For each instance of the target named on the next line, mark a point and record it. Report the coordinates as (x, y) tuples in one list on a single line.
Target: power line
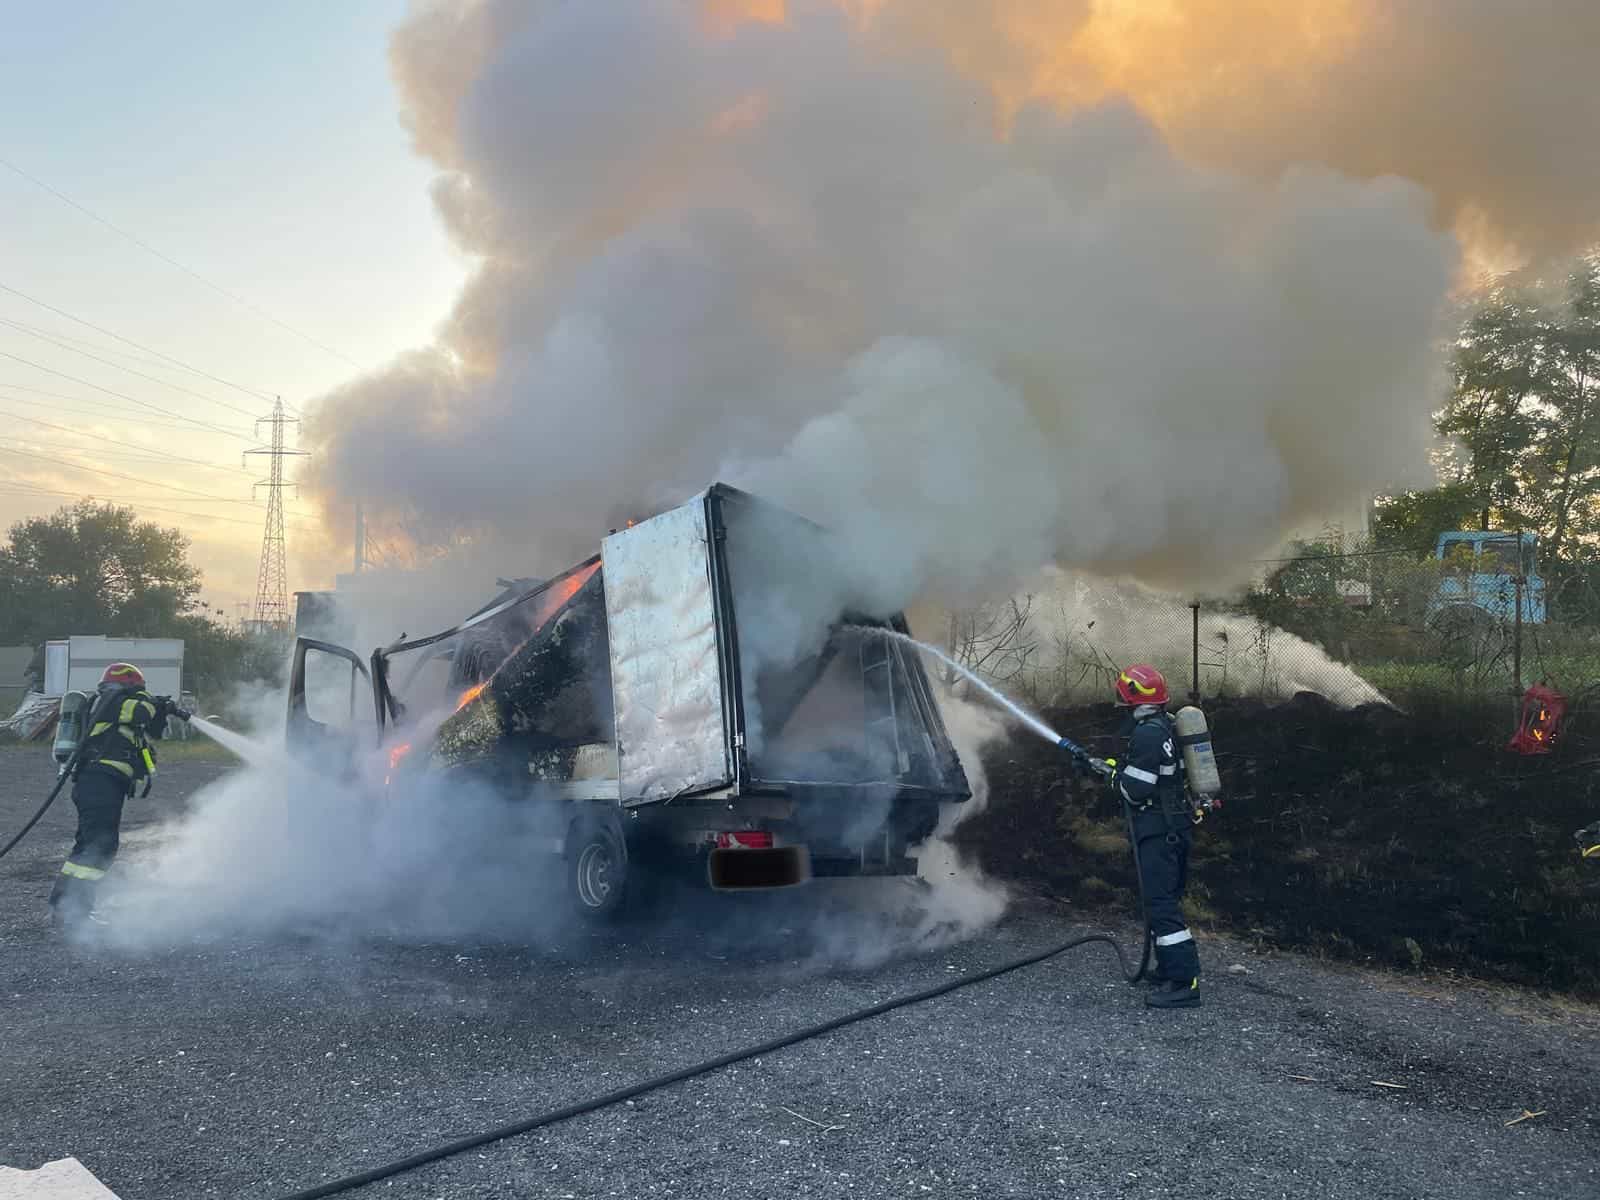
[(29, 442), (177, 387), (198, 498), (149, 249), (112, 474), (95, 408), (124, 444), (61, 312), (121, 395), (135, 503), (82, 341)]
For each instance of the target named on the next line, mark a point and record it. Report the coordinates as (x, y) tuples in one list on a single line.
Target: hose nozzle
[(1085, 761)]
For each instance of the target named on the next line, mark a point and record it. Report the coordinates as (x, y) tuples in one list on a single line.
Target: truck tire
[(597, 868)]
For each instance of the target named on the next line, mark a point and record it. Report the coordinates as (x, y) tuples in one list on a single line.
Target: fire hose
[(472, 1141), (1087, 762), (43, 808), (65, 774)]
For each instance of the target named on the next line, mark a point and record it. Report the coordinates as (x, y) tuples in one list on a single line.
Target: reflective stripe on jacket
[(119, 741), (1152, 770)]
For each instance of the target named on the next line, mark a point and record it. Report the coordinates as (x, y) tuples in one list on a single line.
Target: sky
[(257, 145)]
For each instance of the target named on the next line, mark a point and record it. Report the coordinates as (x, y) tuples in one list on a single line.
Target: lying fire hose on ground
[(42, 809), (1130, 973), (71, 722), (473, 1141)]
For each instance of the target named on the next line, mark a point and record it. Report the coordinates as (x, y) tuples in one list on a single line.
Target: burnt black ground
[(252, 1068), (1370, 835)]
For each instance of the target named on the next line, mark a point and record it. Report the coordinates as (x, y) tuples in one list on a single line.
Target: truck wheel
[(597, 868)]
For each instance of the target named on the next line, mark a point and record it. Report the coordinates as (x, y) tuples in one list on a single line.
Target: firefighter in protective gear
[(1588, 839), (117, 754), (1150, 781)]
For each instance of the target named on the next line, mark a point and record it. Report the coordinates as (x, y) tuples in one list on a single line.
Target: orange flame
[(546, 606), (396, 753)]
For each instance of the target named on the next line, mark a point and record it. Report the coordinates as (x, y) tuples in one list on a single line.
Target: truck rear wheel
[(597, 868)]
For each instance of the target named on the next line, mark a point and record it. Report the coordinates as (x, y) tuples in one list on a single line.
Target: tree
[(1414, 520), (94, 567), (995, 640), (97, 568), (1523, 416), (1567, 464), (1495, 372)]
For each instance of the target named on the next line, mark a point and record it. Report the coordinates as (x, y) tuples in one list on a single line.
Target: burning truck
[(696, 693)]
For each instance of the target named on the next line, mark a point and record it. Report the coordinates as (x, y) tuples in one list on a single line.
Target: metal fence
[(1356, 625)]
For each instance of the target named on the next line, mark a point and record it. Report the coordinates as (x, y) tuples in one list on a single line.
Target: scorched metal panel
[(666, 672)]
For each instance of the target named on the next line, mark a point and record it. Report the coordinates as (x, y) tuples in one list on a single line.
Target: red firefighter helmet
[(123, 675), (1141, 684)]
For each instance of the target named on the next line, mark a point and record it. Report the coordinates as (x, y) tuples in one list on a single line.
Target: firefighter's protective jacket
[(123, 727), (1151, 778)]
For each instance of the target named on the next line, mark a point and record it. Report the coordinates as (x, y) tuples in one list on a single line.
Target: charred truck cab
[(697, 689)]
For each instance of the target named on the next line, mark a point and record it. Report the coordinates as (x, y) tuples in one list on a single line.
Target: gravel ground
[(255, 1067)]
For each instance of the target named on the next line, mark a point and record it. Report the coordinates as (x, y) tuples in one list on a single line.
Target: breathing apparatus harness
[(72, 745)]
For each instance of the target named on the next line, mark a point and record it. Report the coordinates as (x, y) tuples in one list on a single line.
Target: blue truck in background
[(1483, 579)]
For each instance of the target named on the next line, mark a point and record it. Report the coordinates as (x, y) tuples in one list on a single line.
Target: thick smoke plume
[(823, 257), (1485, 104)]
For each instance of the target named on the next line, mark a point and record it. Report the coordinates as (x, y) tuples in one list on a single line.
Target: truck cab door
[(332, 711)]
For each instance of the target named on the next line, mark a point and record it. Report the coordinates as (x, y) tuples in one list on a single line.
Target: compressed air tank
[(1199, 763), (74, 715)]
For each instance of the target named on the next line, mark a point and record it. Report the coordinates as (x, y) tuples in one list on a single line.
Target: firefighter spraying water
[(106, 745), (1166, 783)]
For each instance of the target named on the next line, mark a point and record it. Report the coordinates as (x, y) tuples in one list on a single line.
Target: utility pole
[(361, 538), (272, 579)]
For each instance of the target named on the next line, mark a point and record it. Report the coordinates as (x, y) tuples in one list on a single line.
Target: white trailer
[(75, 664)]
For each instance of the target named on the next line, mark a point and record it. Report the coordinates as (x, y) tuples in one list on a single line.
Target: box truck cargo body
[(699, 688)]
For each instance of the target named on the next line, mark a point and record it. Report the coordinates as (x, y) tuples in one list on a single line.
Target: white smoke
[(805, 259), (1087, 629), (286, 845)]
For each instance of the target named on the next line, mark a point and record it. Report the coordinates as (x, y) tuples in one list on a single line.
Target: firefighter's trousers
[(98, 796), (1164, 870)]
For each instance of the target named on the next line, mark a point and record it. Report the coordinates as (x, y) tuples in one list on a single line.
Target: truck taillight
[(745, 839)]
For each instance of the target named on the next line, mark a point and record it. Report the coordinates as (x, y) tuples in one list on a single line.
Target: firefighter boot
[(71, 902), (1171, 993)]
